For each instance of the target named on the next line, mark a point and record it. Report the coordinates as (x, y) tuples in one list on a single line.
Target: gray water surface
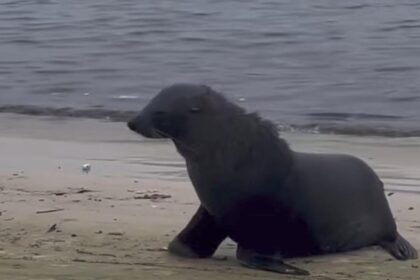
[(346, 66)]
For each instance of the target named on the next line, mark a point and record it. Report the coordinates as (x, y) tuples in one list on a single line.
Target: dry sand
[(103, 228)]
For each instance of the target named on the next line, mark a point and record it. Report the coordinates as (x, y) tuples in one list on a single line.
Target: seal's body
[(253, 188)]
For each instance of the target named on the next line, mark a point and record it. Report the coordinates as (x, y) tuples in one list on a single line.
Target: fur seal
[(273, 201)]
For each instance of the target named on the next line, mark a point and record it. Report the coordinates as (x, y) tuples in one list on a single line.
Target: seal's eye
[(195, 109)]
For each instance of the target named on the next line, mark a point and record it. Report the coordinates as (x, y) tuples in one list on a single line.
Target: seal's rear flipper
[(400, 248), (251, 259)]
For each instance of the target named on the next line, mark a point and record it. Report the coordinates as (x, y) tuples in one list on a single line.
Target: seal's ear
[(207, 89)]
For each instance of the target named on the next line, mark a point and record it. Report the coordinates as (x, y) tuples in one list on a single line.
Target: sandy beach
[(57, 222)]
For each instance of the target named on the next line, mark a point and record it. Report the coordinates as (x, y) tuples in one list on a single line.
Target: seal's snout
[(143, 126), (131, 125)]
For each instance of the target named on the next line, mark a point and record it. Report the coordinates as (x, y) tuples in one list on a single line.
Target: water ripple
[(301, 63)]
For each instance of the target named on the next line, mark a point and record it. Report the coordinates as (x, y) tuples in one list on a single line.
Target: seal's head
[(202, 123), (171, 111)]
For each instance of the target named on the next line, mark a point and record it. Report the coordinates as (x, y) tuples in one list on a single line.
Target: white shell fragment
[(86, 168)]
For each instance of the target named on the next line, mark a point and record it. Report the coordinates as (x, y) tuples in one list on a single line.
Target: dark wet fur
[(249, 180)]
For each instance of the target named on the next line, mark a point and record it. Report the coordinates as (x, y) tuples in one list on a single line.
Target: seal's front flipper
[(251, 259), (200, 238)]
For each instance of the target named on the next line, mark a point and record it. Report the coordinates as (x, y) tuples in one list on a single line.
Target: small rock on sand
[(116, 233), (154, 196), (52, 228)]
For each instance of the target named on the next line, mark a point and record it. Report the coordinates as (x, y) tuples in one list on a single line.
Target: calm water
[(349, 66)]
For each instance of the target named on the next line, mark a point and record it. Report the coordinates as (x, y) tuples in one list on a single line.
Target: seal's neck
[(234, 142)]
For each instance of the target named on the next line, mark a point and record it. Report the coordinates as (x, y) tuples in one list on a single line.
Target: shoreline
[(326, 124), (108, 228)]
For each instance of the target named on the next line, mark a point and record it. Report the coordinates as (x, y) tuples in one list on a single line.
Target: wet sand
[(58, 222)]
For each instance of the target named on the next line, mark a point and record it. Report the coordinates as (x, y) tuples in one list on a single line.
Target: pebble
[(86, 168)]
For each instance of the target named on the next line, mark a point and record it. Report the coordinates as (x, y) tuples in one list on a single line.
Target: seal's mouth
[(138, 125)]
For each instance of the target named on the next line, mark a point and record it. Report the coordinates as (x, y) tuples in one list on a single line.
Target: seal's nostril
[(131, 125)]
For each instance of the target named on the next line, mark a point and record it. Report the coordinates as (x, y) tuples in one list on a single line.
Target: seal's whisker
[(179, 142)]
